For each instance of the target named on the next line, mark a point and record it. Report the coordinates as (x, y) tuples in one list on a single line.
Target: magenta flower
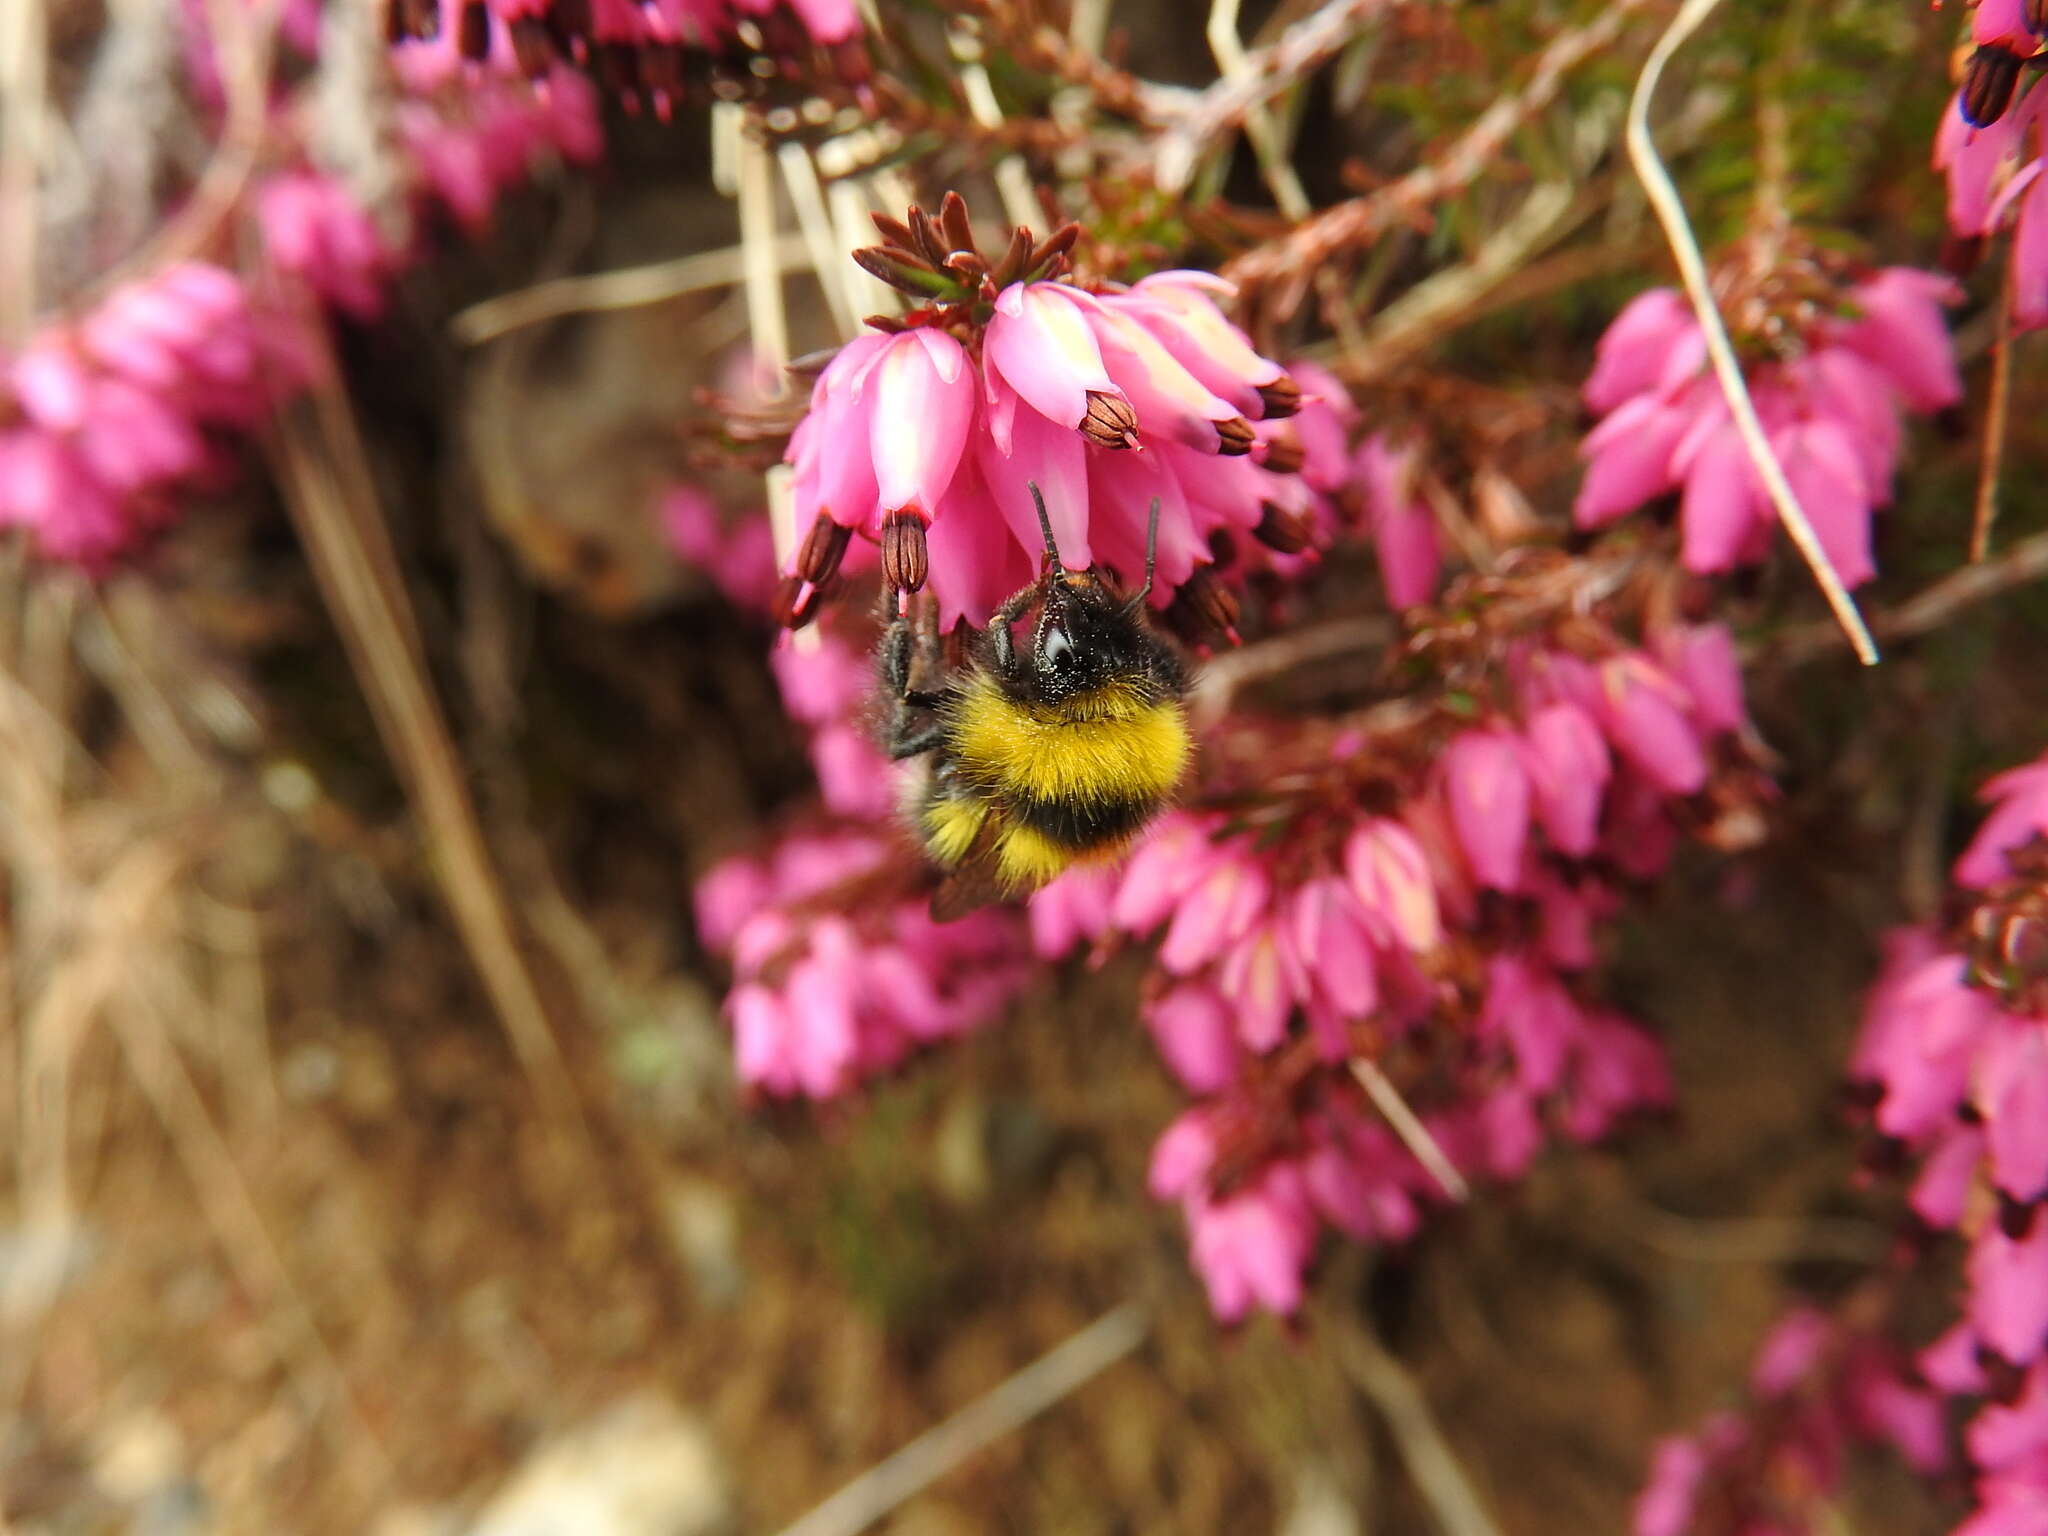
[(826, 993), (1196, 1037), (1487, 788), (1014, 372), (1568, 765), (1831, 410), (2019, 801), (1404, 532), (1389, 874)]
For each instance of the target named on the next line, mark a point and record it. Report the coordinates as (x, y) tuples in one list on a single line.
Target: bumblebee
[(1044, 756)]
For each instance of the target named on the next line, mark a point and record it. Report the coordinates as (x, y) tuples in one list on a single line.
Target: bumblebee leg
[(898, 666), (908, 739), (1001, 644)]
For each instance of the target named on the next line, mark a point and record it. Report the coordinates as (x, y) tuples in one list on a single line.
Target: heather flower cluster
[(1954, 1051), (1425, 899), (1830, 394), (1819, 1389), (652, 52), (922, 433), (1993, 167), (839, 971), (122, 412)]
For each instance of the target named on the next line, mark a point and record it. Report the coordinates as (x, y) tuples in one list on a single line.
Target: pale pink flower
[(1072, 910), (1487, 789), (1569, 766), (1192, 1027), (2019, 813), (1644, 715), (1404, 532), (1389, 873), (1251, 1246)]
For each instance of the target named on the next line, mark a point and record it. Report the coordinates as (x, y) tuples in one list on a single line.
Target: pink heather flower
[(1390, 876), (2002, 23), (1981, 163), (1665, 1506), (1071, 910), (1487, 789), (1922, 1026), (826, 993), (1263, 976), (2019, 801), (1568, 766), (1332, 932), (2013, 1434), (1528, 1010), (1701, 659), (1251, 1246), (2009, 1090), (117, 411), (1790, 1352), (1217, 910), (1107, 400), (2008, 1306), (1404, 533), (1192, 1026), (1831, 413), (1173, 859), (1644, 714), (738, 556), (314, 230)]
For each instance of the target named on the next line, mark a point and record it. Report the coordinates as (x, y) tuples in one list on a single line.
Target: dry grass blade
[(1692, 268), (884, 1486), (23, 71), (1407, 1125), (328, 489), (1432, 1465)]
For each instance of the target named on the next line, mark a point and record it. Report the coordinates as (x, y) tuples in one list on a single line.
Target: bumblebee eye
[(1057, 649)]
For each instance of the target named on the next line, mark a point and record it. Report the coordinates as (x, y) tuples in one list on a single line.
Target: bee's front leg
[(1002, 645)]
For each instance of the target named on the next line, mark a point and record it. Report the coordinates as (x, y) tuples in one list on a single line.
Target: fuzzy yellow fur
[(1113, 744), (950, 827)]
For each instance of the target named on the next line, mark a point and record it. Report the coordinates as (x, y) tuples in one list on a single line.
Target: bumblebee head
[(1086, 636)]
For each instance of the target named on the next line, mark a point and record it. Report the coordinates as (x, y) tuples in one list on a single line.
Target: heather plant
[(1440, 378)]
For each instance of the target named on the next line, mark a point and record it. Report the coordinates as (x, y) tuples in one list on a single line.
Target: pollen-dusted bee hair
[(1038, 757)]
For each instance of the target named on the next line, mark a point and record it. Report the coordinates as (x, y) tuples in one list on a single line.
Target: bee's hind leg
[(906, 735)]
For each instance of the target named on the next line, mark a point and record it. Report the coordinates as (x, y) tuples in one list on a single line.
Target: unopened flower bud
[(1234, 437), (1282, 397), (905, 560), (1283, 456), (817, 560), (1288, 532), (1988, 82), (1110, 422)]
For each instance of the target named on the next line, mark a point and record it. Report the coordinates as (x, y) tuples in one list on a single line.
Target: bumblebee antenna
[(1138, 597), (1052, 550)]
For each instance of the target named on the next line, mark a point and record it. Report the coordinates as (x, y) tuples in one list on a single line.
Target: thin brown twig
[(1259, 76), (333, 503), (1365, 219), (1996, 416), (1927, 610)]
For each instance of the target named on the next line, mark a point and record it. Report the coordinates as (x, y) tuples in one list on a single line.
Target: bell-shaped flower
[(1487, 790)]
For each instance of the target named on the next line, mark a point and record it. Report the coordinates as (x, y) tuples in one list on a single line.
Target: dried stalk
[(327, 487), (1996, 418), (1926, 611), (23, 79), (1258, 76), (1365, 219), (1407, 1125), (1432, 1465), (1041, 1384), (624, 288)]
